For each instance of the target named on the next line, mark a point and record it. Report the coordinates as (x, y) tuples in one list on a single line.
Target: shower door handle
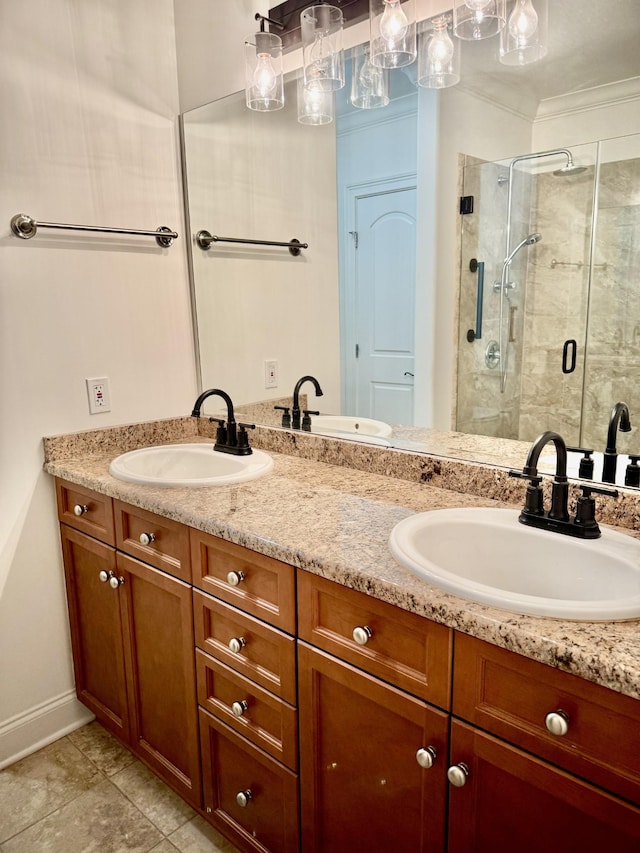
[(569, 361), (477, 267)]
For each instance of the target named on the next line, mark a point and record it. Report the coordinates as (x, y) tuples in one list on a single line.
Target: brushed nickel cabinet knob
[(115, 582), (425, 756), (235, 578), (243, 797), (104, 576), (238, 708), (236, 644), (147, 538), (362, 635), (557, 722), (80, 509), (458, 774)]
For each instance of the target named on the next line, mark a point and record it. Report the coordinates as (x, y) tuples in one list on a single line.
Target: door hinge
[(466, 204), (357, 350), (354, 234)]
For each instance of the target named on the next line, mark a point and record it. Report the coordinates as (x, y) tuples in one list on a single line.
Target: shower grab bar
[(477, 266), (26, 227), (580, 264), (204, 239)]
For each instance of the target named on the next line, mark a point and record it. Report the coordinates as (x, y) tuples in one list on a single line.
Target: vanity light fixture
[(438, 56), (322, 56), (524, 39), (392, 25), (264, 82), (315, 105), (369, 82), (478, 19)]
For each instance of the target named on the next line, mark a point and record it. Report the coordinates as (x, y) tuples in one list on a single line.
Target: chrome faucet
[(228, 438), (557, 518), (295, 411), (619, 419)]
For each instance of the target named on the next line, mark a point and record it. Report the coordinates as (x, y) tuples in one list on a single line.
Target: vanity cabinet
[(132, 640), (245, 618), (373, 756)]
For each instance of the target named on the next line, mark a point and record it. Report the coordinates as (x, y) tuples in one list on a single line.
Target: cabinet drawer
[(233, 767), (510, 696), (266, 655), (85, 510), (255, 713), (403, 648), (257, 584), (167, 545)]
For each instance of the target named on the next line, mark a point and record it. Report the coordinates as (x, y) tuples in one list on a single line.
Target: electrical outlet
[(99, 395), (271, 373)]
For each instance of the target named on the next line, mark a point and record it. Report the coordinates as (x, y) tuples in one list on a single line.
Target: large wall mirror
[(428, 322)]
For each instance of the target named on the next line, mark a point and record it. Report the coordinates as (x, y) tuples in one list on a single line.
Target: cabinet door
[(514, 801), (158, 629), (361, 785), (96, 629)]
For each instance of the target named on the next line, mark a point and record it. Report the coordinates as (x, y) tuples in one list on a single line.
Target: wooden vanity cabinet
[(361, 737), (132, 640)]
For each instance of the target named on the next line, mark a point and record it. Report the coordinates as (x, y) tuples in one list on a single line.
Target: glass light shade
[(315, 105), (264, 84), (369, 82), (392, 25), (525, 37), (322, 57), (438, 56), (476, 19)]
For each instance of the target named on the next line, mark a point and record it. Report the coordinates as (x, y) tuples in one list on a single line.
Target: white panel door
[(384, 279)]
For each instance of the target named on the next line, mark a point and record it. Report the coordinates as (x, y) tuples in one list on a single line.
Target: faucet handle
[(534, 479), (306, 420), (533, 502), (246, 426), (586, 509), (243, 438), (286, 416), (587, 490), (585, 469)]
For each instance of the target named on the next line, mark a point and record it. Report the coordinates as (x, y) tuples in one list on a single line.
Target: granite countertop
[(335, 521)]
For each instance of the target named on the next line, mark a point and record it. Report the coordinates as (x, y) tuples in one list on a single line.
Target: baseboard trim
[(41, 725)]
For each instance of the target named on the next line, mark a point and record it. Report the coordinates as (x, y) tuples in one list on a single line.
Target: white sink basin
[(364, 429), (486, 555), (188, 465)]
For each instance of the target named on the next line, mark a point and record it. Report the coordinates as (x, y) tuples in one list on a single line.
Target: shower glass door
[(540, 343)]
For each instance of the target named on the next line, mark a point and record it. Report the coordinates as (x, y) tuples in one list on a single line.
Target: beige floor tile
[(156, 800), (198, 836), (100, 821), (165, 846), (102, 748), (37, 785)]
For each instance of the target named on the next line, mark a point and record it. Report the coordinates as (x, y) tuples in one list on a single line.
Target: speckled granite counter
[(335, 521)]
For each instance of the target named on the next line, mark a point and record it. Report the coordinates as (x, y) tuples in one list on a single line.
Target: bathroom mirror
[(265, 176)]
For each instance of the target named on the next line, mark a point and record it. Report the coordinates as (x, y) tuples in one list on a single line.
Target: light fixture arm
[(270, 21)]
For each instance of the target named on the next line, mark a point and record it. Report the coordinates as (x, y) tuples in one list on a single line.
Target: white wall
[(87, 135)]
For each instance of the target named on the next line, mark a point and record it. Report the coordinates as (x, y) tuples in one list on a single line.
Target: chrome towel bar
[(26, 227), (204, 239)]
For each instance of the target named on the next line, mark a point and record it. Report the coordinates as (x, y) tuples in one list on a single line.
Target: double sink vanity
[(258, 646)]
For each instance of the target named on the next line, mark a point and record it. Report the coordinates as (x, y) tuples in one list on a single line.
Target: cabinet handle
[(457, 774), (235, 578), (425, 756), (115, 582), (557, 722), (238, 708), (80, 509), (104, 576), (147, 538), (236, 644), (362, 635), (243, 797)]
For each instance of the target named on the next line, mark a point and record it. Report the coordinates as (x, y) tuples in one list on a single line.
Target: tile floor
[(86, 792)]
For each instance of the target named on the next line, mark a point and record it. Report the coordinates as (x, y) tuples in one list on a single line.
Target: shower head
[(528, 241), (569, 168)]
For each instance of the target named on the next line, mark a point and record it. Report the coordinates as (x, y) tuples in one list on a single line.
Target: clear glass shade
[(478, 19), (315, 105), (264, 84), (322, 56), (369, 82), (525, 37), (392, 26), (438, 56)]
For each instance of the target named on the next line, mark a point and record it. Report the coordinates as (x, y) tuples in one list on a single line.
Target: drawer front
[(511, 696), (232, 767), (259, 585), (402, 648), (265, 655), (164, 543), (253, 712), (86, 510)]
